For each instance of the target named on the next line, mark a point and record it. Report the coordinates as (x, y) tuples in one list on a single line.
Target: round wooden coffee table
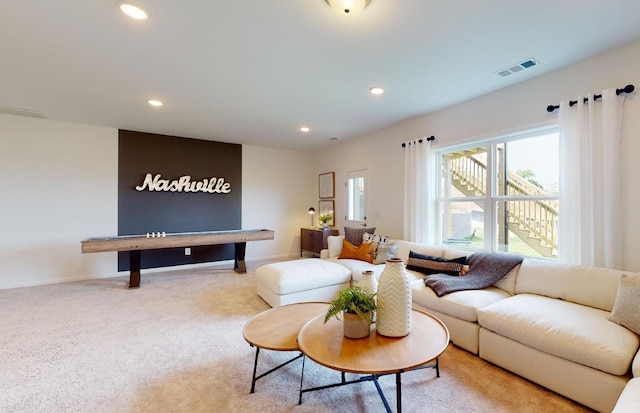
[(374, 355), (277, 329)]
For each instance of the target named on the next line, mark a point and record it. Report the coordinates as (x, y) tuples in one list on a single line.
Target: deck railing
[(535, 218)]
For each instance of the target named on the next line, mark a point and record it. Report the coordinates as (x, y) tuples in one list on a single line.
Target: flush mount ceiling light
[(376, 90), (134, 12), (350, 8), (155, 103), (304, 129)]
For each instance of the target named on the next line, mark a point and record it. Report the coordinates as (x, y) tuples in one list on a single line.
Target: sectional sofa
[(545, 321)]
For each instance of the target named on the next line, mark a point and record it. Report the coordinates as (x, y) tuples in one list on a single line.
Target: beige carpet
[(175, 345)]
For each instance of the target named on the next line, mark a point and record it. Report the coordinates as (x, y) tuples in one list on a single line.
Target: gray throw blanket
[(485, 268)]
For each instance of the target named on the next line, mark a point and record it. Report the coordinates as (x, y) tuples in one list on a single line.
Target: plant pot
[(354, 326)]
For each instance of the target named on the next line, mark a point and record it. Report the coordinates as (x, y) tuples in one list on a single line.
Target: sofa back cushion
[(404, 247), (591, 286), (334, 244)]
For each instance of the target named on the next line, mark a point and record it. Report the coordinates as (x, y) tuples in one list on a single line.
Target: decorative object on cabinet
[(326, 209), (312, 211)]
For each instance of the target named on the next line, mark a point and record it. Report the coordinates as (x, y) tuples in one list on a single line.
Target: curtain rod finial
[(626, 89)]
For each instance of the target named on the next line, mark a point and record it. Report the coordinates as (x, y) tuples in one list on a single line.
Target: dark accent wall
[(145, 211)]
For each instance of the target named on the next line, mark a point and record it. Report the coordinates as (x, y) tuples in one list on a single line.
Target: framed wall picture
[(327, 207), (326, 185)]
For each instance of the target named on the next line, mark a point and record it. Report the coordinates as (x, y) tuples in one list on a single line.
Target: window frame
[(491, 200), (361, 173)]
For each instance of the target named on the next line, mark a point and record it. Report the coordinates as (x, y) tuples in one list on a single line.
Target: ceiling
[(255, 71)]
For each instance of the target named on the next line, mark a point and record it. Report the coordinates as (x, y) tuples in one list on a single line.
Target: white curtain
[(419, 196), (590, 227)]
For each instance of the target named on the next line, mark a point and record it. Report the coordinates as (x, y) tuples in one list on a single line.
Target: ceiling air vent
[(517, 67)]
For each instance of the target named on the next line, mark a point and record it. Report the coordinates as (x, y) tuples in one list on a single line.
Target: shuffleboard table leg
[(134, 269), (239, 265)]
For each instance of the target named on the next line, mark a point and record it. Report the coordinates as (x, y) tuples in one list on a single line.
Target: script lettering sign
[(184, 184)]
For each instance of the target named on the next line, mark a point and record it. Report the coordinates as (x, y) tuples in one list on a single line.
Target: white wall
[(277, 191), (58, 186), (518, 107)]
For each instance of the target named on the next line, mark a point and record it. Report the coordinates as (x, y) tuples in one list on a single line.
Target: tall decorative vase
[(369, 284), (394, 300)]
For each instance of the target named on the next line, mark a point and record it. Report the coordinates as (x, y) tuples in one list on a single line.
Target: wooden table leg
[(134, 269), (239, 265)]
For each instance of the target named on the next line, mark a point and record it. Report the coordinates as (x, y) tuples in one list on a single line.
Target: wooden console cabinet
[(313, 240)]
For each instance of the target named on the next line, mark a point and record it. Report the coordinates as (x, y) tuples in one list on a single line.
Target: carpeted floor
[(175, 345)]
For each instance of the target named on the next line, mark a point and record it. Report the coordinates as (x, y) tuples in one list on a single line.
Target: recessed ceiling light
[(154, 102), (304, 129), (376, 90), (134, 12)]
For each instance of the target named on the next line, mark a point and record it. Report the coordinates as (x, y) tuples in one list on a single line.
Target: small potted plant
[(324, 219), (357, 307)]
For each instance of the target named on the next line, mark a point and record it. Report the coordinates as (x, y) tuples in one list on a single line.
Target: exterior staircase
[(535, 222)]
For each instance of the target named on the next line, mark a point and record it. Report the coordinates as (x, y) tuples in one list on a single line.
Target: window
[(356, 199), (502, 194)]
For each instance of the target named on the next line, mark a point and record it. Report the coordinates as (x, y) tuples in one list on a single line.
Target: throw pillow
[(354, 235), (377, 239), (385, 251), (625, 309), (429, 264), (363, 252)]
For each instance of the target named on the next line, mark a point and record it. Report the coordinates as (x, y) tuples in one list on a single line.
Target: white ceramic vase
[(394, 300), (369, 284)]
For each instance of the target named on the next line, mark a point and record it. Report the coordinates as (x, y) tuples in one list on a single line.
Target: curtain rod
[(429, 139), (626, 89)]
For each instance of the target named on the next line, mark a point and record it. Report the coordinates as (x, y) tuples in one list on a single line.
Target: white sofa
[(545, 321)]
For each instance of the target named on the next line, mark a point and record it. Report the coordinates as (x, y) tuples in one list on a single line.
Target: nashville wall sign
[(184, 184)]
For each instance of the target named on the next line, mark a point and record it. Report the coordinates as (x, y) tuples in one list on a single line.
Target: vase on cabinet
[(393, 318)]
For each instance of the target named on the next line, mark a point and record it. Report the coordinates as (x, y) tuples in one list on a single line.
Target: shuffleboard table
[(134, 244)]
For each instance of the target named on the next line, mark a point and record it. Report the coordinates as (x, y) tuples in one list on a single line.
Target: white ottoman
[(310, 279)]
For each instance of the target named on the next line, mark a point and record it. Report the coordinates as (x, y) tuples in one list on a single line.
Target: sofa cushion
[(334, 244), (430, 264), (508, 282), (354, 235), (574, 332), (629, 400), (404, 247), (356, 266), (625, 310), (384, 251), (592, 286), (463, 305), (363, 252)]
